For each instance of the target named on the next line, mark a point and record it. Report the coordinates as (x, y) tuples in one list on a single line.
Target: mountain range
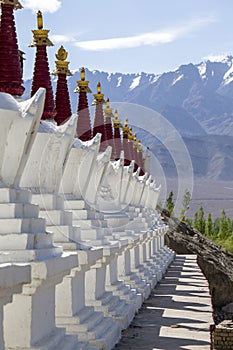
[(196, 98)]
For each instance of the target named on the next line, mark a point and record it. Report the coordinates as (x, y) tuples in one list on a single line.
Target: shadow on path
[(177, 315)]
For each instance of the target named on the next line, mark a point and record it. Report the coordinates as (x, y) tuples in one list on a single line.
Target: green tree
[(199, 221), (224, 226), (170, 203), (216, 227), (185, 204), (209, 226)]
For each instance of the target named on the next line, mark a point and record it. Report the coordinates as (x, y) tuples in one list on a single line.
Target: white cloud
[(43, 5), (148, 39), (57, 38), (216, 58)]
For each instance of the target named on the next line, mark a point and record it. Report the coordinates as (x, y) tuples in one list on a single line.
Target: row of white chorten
[(81, 242)]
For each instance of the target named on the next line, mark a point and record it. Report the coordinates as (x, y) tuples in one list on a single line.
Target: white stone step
[(26, 241), (65, 233), (146, 274), (22, 225), (56, 217), (91, 235), (84, 214), (59, 341), (29, 255), (107, 334), (9, 195), (74, 204), (139, 284), (101, 332), (48, 201), (86, 224), (83, 322), (18, 210)]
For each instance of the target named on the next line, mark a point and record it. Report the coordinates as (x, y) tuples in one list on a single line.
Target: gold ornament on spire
[(99, 97), (16, 3), (62, 66), (62, 54), (139, 146), (39, 20), (40, 35), (135, 141), (116, 121), (83, 83), (130, 135), (125, 128), (82, 74), (108, 109)]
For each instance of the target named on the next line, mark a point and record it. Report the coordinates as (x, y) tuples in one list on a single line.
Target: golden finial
[(116, 121), (98, 88), (83, 83), (40, 35), (139, 146), (39, 20), (107, 103), (108, 109), (130, 135), (135, 141), (82, 74), (62, 66), (99, 97), (125, 128), (61, 54)]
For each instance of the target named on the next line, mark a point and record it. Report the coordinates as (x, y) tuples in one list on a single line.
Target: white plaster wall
[(19, 124), (79, 163), (44, 167)]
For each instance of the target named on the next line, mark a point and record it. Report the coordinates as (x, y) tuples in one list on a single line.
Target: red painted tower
[(117, 136), (10, 67), (41, 76), (125, 143), (108, 125), (62, 100), (84, 131), (99, 126)]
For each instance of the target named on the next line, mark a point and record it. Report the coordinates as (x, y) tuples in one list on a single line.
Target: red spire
[(117, 137), (10, 67), (63, 107), (41, 76), (84, 131), (125, 143), (99, 126)]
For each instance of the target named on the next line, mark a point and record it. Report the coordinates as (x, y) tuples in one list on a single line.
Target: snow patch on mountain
[(119, 81), (228, 76), (177, 79), (135, 83)]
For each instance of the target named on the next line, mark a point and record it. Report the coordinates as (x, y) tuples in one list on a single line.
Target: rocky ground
[(215, 262)]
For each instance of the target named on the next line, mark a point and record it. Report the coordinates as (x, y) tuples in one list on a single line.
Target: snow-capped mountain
[(196, 98)]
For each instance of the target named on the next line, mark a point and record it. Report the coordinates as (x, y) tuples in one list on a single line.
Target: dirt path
[(177, 315)]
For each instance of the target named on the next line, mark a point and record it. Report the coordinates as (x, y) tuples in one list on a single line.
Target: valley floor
[(212, 195)]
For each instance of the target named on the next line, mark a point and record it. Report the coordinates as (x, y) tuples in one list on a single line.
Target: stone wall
[(223, 336)]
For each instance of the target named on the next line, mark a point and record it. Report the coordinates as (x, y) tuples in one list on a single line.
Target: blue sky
[(129, 35)]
